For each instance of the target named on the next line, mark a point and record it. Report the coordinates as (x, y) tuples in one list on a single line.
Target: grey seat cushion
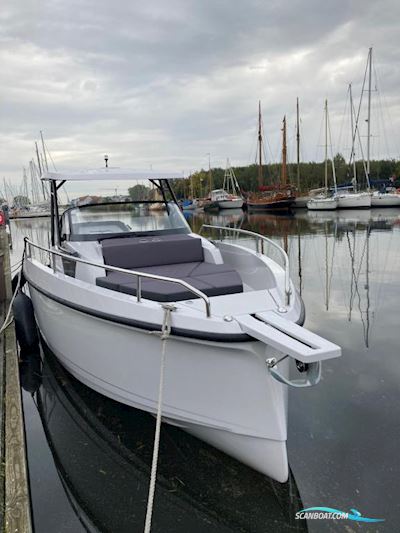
[(172, 256), (137, 252), (213, 280)]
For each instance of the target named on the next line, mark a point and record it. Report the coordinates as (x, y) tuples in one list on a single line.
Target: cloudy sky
[(163, 83)]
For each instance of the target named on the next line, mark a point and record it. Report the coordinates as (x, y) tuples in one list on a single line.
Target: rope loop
[(166, 325)]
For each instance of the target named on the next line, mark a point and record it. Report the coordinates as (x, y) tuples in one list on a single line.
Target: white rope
[(165, 332), (8, 320)]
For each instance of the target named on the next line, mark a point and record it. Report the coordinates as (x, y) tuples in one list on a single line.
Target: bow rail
[(260, 240)]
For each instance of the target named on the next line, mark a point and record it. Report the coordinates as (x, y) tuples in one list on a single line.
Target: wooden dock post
[(14, 487)]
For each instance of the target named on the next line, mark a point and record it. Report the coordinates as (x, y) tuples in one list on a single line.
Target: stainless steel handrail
[(260, 249), (139, 275)]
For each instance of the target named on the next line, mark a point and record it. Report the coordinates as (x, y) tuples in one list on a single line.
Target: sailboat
[(301, 198), (229, 197), (383, 198), (277, 197), (192, 203), (325, 201), (354, 199)]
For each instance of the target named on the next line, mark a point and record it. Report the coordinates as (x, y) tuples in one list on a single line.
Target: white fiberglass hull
[(385, 200), (230, 204), (354, 200), (322, 204), (220, 392)]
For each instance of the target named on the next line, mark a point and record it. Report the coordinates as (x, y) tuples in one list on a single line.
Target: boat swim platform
[(15, 505)]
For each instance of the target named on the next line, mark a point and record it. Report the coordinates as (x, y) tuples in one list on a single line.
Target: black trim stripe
[(147, 326)]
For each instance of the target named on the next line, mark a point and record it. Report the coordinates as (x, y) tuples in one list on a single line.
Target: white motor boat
[(353, 200), (221, 199), (117, 272), (322, 203), (385, 199)]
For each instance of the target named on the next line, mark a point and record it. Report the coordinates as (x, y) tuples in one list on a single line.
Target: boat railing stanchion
[(27, 248), (139, 289), (262, 246), (53, 261)]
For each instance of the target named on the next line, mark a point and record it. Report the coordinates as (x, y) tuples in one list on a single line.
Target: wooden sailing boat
[(278, 197), (301, 196)]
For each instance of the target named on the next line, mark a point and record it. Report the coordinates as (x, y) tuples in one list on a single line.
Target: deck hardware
[(312, 376), (271, 362), (228, 318), (301, 367)]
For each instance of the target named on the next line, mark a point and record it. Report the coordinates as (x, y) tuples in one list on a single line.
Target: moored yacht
[(322, 203), (385, 199), (353, 200), (325, 200), (119, 275)]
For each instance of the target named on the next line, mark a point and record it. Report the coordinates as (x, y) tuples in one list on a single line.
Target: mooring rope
[(165, 332)]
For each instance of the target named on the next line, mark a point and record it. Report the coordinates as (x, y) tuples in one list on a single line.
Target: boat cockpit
[(135, 236)]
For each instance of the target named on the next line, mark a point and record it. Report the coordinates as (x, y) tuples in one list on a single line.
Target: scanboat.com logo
[(327, 513)]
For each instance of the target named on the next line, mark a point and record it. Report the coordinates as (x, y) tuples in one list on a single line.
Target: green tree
[(139, 192), (21, 200)]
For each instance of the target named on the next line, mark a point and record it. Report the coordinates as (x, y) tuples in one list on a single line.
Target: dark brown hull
[(272, 205)]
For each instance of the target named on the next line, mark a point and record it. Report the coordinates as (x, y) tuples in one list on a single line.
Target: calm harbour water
[(89, 457)]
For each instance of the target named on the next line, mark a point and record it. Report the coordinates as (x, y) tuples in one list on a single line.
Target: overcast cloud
[(162, 83)]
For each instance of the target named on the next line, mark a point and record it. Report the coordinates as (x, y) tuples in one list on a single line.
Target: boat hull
[(223, 204), (322, 204), (274, 205), (354, 201), (230, 204), (220, 392), (385, 200)]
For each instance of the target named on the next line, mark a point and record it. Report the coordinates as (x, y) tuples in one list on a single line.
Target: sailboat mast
[(44, 151), (284, 154), (298, 144), (260, 172), (38, 159), (369, 111), (209, 173), (353, 134), (326, 146)]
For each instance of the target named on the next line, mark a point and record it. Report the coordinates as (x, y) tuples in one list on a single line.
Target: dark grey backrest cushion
[(136, 252)]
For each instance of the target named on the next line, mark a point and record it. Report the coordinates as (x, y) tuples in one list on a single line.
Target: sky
[(162, 84)]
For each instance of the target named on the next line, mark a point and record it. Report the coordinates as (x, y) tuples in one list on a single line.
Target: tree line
[(312, 176)]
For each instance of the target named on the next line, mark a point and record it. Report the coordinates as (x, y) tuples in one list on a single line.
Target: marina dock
[(14, 484)]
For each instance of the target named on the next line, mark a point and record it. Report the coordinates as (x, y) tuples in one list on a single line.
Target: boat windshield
[(97, 221)]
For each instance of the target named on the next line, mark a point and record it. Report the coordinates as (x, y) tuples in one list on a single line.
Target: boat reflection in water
[(102, 451)]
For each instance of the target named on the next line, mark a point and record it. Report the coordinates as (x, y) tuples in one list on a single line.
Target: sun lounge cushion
[(213, 280), (172, 256), (136, 252)]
